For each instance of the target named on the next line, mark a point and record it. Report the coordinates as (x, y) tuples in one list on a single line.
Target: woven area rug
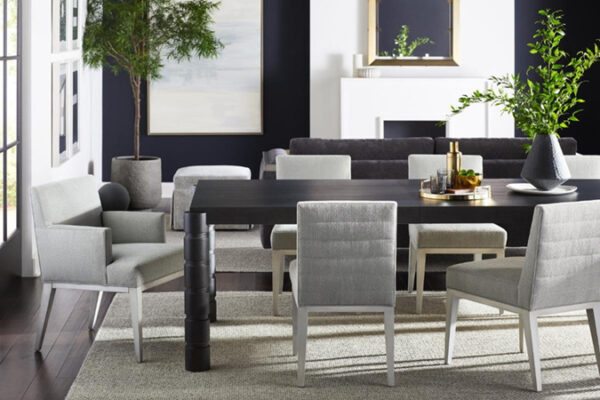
[(251, 354)]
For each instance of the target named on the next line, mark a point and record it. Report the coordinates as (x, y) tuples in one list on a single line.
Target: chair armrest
[(74, 254), (135, 226)]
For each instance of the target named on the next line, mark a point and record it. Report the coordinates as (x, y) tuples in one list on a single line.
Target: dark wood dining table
[(274, 202)]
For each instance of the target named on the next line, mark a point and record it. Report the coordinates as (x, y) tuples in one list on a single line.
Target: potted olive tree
[(544, 104), (134, 36)]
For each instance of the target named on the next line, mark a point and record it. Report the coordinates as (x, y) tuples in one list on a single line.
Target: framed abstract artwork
[(60, 125), (65, 111), (218, 96)]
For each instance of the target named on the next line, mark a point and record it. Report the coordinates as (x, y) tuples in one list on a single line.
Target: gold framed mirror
[(413, 32)]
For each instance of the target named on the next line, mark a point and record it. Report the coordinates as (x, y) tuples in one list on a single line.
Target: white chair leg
[(45, 308), (421, 258), (412, 261), (388, 316), (301, 335), (531, 335), (451, 316), (96, 310), (276, 262), (281, 273), (135, 303), (477, 257), (500, 253), (294, 327), (521, 342), (593, 315)]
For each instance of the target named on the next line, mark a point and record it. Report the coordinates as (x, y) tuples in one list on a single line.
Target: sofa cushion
[(364, 149), (382, 169), (497, 148)]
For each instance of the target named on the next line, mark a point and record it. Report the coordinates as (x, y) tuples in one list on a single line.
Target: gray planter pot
[(545, 167), (142, 178)]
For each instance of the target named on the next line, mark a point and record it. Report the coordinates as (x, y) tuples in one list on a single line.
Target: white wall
[(339, 30), (37, 118)]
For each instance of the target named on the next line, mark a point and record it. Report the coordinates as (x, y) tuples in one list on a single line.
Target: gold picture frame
[(452, 60)]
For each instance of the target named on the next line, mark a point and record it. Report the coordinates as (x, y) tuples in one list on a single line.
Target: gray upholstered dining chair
[(81, 247), (584, 166), (559, 273), (476, 239), (283, 236), (346, 263)]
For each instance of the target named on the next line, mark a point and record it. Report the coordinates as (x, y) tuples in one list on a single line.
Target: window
[(10, 129)]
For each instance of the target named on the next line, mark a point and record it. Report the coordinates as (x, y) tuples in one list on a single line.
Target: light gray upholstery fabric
[(563, 256), (457, 236), (72, 201), (346, 253), (584, 167), (283, 237), (422, 166), (135, 264), (69, 251), (74, 254), (186, 178), (313, 167), (135, 226), (496, 279)]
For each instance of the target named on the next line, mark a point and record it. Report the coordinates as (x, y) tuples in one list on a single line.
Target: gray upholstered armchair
[(559, 273), (81, 247)]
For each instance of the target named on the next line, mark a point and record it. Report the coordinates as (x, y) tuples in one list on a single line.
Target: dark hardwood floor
[(25, 374)]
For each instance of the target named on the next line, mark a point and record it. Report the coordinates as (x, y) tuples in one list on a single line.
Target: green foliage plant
[(135, 36), (403, 48), (547, 102)]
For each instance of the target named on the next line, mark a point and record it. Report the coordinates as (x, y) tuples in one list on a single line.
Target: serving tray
[(484, 194)]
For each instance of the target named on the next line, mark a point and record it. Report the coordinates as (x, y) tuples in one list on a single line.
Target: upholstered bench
[(185, 180), (476, 239)]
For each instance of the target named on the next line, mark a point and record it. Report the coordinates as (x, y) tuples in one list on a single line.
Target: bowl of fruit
[(467, 179)]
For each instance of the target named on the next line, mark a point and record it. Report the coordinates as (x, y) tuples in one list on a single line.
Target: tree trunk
[(136, 86)]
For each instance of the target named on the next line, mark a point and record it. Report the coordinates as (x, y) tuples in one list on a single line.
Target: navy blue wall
[(286, 31), (582, 28)]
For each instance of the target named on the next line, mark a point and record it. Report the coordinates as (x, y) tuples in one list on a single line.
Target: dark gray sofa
[(387, 159)]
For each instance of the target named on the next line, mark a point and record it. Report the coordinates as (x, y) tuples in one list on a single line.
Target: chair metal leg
[(45, 308), (301, 335), (412, 260), (276, 263), (451, 316), (521, 333), (294, 327), (135, 303), (388, 316), (421, 258), (96, 310), (531, 335), (593, 315)]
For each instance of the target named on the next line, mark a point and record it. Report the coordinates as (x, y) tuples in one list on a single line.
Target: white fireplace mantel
[(365, 105)]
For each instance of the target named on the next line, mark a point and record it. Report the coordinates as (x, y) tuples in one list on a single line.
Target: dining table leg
[(197, 294), (212, 287)]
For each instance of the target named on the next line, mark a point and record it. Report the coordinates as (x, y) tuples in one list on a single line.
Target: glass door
[(10, 134)]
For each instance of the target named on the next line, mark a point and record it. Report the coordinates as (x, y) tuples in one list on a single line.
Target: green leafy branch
[(403, 48), (546, 103)]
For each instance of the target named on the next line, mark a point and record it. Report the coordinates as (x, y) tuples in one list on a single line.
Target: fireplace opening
[(406, 129)]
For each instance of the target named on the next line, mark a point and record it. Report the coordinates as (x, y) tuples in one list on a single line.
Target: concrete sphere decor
[(545, 166), (142, 178), (114, 197)]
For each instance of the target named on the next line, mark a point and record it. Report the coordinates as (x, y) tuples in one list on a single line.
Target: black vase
[(545, 166)]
